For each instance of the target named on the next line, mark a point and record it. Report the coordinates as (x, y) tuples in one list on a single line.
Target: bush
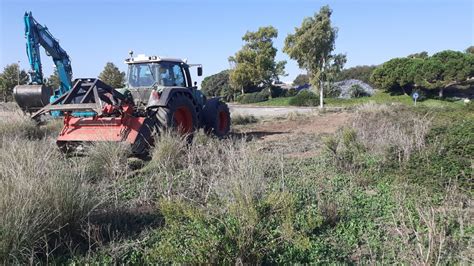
[(254, 97), (357, 91), (305, 98), (447, 159)]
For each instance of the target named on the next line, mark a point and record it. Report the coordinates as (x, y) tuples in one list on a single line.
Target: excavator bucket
[(113, 118)]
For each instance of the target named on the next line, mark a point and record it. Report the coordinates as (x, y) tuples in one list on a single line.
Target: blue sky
[(209, 31)]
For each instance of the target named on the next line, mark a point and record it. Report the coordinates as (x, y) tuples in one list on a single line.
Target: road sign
[(415, 96)]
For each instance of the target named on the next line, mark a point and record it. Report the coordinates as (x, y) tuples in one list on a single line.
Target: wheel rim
[(223, 121), (183, 119)]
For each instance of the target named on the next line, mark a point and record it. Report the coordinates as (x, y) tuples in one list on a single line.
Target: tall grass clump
[(43, 199), (18, 124)]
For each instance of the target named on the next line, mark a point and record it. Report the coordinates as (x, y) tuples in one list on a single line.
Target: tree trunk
[(321, 95), (441, 92)]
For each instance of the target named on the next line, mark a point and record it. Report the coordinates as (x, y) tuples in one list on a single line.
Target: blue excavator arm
[(37, 35), (35, 95)]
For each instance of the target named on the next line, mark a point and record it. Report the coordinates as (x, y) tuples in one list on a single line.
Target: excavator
[(36, 94), (159, 95)]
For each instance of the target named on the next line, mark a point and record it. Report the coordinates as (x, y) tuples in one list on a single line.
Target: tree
[(437, 72), (300, 80), (422, 55), (447, 68), (112, 76), (470, 50), (312, 45), (254, 64), (361, 73), (53, 80), (12, 76), (218, 85)]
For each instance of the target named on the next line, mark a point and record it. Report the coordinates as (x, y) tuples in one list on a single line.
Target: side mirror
[(199, 71)]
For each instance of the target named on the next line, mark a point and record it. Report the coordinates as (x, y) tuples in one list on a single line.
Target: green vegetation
[(254, 97), (304, 98), (312, 45), (301, 80), (379, 98), (112, 76), (437, 72), (394, 186), (9, 78), (254, 64), (362, 73), (218, 85)]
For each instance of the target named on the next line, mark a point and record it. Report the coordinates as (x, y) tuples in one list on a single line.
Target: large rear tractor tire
[(216, 118), (180, 114)]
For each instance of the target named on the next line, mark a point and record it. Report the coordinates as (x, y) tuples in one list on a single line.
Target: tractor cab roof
[(141, 58)]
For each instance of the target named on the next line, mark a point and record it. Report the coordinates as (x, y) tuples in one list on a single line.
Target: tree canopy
[(300, 80), (255, 64), (470, 49), (11, 76), (113, 76), (312, 46), (439, 71), (217, 85), (53, 80), (361, 73)]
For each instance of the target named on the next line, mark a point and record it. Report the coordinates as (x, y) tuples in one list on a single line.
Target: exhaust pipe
[(31, 98)]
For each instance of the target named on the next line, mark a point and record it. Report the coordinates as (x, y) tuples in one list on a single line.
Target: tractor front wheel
[(179, 114)]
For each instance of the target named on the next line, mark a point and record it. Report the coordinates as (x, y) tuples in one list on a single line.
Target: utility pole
[(18, 78)]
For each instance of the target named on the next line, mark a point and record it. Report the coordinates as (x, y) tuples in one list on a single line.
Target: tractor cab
[(148, 73)]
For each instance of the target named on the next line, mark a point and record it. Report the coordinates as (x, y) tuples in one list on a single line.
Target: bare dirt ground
[(274, 111), (296, 136)]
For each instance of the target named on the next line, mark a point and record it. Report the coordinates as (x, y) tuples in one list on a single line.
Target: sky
[(93, 33)]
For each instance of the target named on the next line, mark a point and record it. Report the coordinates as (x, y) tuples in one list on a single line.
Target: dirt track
[(260, 111), (300, 136)]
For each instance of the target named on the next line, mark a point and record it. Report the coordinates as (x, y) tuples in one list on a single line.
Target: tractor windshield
[(151, 74)]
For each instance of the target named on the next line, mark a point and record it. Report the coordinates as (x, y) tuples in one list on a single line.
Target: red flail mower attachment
[(94, 111)]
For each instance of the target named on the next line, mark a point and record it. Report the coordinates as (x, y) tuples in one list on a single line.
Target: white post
[(321, 92)]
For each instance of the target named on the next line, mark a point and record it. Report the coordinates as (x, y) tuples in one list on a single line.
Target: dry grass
[(382, 128), (17, 124), (205, 168), (43, 196), (239, 119)]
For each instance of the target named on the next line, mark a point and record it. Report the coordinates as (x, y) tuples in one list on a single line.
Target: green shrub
[(254, 97), (290, 93), (305, 98), (448, 157), (357, 91)]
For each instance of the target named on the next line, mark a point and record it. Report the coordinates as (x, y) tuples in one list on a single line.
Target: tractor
[(159, 95)]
